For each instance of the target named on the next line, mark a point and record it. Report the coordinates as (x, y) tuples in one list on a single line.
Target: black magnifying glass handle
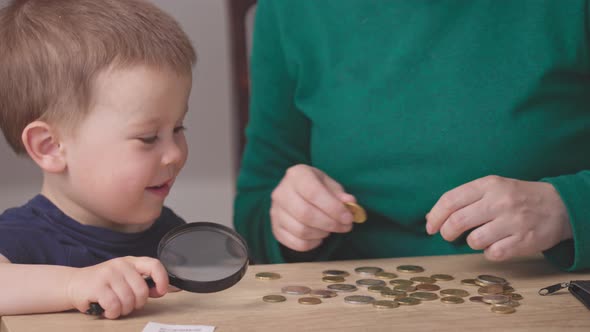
[(96, 310)]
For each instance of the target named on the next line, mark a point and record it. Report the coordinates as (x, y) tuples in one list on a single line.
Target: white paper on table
[(157, 327)]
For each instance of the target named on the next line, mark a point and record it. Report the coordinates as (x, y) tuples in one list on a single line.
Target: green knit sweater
[(401, 101)]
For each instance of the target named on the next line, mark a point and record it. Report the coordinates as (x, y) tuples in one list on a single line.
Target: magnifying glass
[(200, 257)]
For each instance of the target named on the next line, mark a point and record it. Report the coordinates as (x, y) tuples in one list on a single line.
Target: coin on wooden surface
[(423, 280), (476, 299), (335, 273), (491, 280), (469, 282), (512, 303), (370, 282), (392, 293), (267, 276), (495, 299), (274, 298), (401, 282), (410, 268), (342, 287), (424, 296), (427, 287), (333, 279), (359, 299), (502, 309), (385, 304), (385, 275), (508, 289), (377, 288), (454, 292), (408, 301), (295, 290), (515, 296), (491, 290), (309, 300), (359, 215), (368, 270), (405, 288), (323, 293), (442, 277), (451, 300)]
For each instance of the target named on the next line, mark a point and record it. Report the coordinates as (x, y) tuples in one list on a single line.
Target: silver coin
[(370, 282), (342, 287), (368, 270), (295, 290), (323, 293), (335, 273), (359, 299)]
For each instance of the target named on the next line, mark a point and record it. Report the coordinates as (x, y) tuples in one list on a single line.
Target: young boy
[(95, 92)]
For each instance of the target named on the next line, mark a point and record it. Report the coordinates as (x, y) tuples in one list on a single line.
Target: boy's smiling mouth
[(161, 190)]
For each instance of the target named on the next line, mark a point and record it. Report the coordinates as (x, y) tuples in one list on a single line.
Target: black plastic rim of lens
[(205, 286)]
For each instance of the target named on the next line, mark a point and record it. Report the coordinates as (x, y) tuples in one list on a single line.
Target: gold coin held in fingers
[(274, 298), (359, 215), (385, 304), (267, 276), (309, 300)]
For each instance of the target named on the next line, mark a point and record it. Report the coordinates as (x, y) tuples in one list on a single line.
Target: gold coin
[(377, 288), (274, 298), (359, 299), (495, 299), (491, 290), (455, 292), (392, 293), (408, 301), (368, 270), (423, 280), (370, 282), (491, 280), (333, 279), (469, 282), (502, 309), (323, 293), (267, 276), (427, 287), (515, 296), (410, 268), (359, 215), (442, 277), (385, 275), (335, 273), (480, 283), (451, 300), (401, 282), (309, 300), (295, 290), (424, 296), (385, 304), (508, 289), (342, 287)]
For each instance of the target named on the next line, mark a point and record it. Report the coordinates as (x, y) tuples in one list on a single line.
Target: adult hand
[(507, 217), (118, 285), (308, 205)]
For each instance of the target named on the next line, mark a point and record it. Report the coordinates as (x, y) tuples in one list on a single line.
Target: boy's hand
[(118, 285), (307, 206), (508, 217)]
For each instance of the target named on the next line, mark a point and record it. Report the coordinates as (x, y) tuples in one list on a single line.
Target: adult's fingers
[(466, 218), (292, 242), (296, 228)]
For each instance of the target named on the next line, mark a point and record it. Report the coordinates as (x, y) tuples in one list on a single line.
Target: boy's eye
[(179, 129), (149, 140)]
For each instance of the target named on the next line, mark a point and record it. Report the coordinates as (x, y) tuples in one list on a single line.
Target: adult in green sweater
[(459, 125)]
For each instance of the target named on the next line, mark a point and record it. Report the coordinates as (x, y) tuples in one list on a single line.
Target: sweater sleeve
[(277, 136), (573, 254)]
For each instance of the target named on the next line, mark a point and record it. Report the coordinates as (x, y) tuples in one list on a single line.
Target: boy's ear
[(43, 146)]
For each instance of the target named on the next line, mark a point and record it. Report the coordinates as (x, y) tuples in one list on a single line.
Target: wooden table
[(241, 308)]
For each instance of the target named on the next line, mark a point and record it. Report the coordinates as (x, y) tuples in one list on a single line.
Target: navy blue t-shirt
[(40, 233)]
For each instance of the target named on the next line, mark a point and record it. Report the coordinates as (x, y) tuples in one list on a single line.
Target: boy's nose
[(175, 153)]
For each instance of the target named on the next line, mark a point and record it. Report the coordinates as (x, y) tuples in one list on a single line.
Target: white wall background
[(204, 190)]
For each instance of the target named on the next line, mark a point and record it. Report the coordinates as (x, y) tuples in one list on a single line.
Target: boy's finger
[(153, 268)]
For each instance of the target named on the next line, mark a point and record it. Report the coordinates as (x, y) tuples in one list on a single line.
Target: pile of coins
[(494, 291)]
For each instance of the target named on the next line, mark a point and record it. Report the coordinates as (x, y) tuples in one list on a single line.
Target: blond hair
[(52, 50)]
